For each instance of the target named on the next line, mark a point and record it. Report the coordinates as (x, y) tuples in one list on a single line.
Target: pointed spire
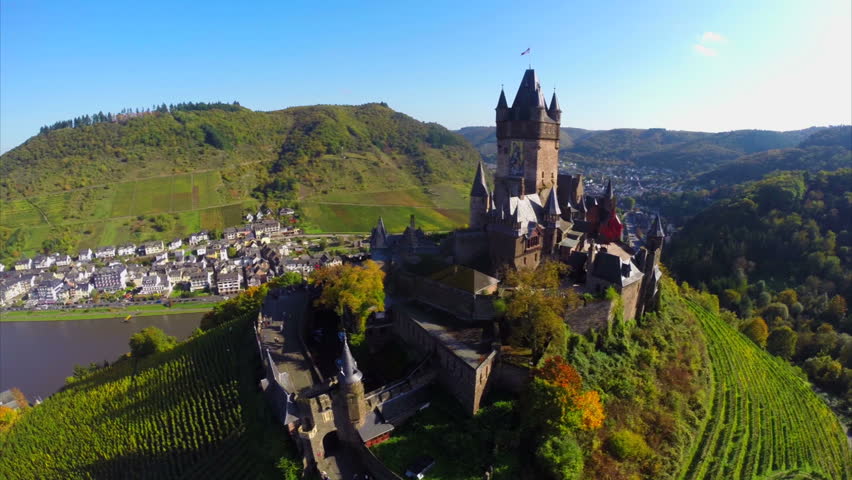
[(381, 227), (551, 207), (349, 372), (554, 104), (657, 228), (608, 193), (479, 188), (502, 103)]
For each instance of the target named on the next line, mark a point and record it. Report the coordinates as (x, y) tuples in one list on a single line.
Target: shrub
[(150, 340), (625, 444), (560, 458)]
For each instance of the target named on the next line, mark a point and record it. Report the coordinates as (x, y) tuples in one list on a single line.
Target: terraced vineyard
[(188, 413), (764, 419)]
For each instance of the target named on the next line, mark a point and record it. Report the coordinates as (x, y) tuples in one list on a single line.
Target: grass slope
[(192, 412), (102, 184), (764, 419)]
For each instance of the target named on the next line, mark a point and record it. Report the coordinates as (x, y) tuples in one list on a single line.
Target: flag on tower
[(525, 52)]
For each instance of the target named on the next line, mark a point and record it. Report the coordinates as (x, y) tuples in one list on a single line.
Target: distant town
[(182, 269)]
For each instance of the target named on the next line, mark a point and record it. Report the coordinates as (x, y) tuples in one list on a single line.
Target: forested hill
[(779, 255), (296, 143), (690, 152)]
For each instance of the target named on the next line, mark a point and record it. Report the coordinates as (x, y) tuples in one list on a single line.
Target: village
[(191, 268)]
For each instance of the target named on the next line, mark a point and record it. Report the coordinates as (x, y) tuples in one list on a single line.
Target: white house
[(85, 255), (175, 244), (155, 283), (127, 250), (105, 252), (196, 238)]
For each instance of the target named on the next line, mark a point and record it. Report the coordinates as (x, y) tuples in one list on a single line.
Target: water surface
[(37, 356)]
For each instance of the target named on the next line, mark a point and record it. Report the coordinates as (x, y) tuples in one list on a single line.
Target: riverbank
[(104, 312)]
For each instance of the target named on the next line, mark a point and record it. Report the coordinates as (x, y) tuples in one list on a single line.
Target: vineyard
[(192, 412), (764, 420)]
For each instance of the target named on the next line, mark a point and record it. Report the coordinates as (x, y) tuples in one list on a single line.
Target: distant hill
[(114, 181), (688, 152)]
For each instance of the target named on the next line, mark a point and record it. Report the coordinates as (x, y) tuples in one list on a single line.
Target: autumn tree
[(757, 331), (352, 292), (557, 397)]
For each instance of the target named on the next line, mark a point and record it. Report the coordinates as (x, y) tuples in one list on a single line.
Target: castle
[(535, 213), (441, 301)]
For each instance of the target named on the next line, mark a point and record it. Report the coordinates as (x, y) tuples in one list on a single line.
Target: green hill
[(191, 412), (764, 420), (166, 173), (689, 152)]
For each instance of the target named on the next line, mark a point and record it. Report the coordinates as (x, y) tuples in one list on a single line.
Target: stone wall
[(463, 381)]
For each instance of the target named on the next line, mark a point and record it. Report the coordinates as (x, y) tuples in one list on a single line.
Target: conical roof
[(554, 104), (657, 228), (551, 207), (479, 188), (381, 227), (608, 193), (502, 102), (529, 95), (349, 372)]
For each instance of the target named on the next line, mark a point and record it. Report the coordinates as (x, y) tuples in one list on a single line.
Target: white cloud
[(712, 37), (706, 51)]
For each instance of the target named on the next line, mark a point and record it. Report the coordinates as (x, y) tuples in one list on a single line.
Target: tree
[(782, 342), (560, 457), (757, 331), (836, 309), (150, 340), (535, 309), (625, 444), (352, 292), (287, 280), (556, 395), (788, 297)]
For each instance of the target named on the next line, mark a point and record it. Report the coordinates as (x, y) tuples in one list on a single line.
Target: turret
[(608, 200), (378, 238), (553, 111), (353, 389), (655, 236), (551, 221), (502, 107), (479, 199)]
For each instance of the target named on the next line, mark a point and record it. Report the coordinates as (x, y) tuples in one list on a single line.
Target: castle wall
[(630, 299), (469, 247), (465, 383), (540, 160)]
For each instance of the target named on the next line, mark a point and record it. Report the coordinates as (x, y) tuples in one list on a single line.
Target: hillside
[(763, 418), (106, 182), (779, 255), (191, 412), (688, 152)]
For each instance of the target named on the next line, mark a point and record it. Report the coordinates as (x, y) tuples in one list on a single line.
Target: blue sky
[(711, 66)]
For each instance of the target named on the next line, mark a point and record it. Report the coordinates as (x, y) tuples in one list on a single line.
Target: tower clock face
[(516, 158)]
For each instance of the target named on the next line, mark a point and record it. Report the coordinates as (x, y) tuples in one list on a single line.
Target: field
[(436, 208), (764, 419), (110, 214), (155, 419), (91, 313)]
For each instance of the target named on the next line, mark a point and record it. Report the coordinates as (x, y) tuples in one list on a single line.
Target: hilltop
[(682, 151), (100, 183)]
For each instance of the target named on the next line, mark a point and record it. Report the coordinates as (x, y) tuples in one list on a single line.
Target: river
[(36, 357)]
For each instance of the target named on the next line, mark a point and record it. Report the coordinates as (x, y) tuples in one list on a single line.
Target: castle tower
[(650, 289), (551, 222), (480, 199), (353, 388), (527, 139)]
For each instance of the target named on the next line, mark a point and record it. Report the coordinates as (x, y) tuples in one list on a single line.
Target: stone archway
[(330, 444)]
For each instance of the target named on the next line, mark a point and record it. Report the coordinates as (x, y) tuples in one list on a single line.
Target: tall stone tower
[(650, 264), (480, 199), (527, 140), (353, 388)]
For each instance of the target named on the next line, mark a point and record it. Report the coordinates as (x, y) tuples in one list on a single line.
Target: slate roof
[(479, 188), (529, 103), (464, 278), (609, 267)]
